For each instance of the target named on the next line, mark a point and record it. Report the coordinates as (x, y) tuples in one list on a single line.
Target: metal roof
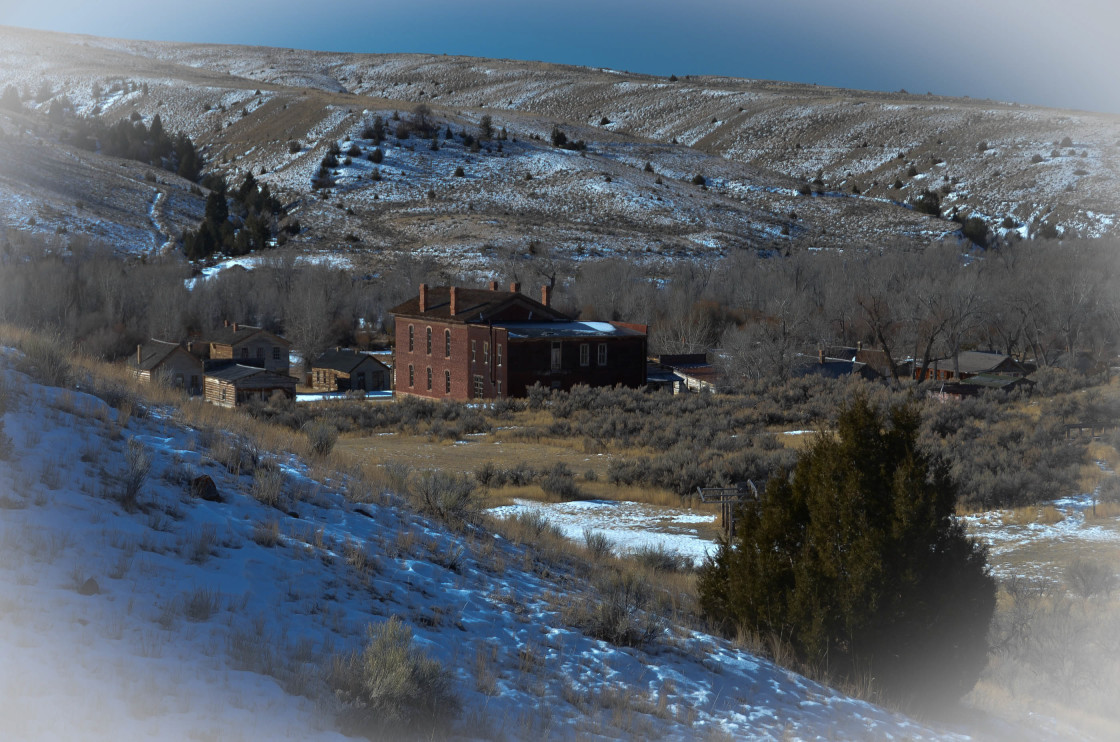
[(569, 329)]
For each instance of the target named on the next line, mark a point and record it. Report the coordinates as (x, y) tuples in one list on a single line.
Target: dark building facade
[(456, 343)]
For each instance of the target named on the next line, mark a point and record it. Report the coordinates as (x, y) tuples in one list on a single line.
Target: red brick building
[(456, 343)]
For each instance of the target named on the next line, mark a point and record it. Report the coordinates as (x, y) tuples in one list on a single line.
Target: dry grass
[(1033, 514)]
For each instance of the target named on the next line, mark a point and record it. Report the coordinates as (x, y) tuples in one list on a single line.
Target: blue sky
[(1034, 51)]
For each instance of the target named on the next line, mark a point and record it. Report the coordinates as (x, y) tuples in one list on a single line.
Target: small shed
[(342, 370), (158, 360), (233, 384)]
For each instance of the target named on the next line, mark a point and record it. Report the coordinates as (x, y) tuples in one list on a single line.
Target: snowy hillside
[(781, 165), (185, 618)]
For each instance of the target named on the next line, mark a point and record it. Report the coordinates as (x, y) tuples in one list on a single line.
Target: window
[(360, 380), (473, 350), (429, 378), (275, 353), (486, 353), (447, 382), (498, 353), (602, 354), (584, 354), (556, 356), (245, 353), (411, 375), (260, 352), (429, 341), (499, 388), (194, 381), (447, 343), (410, 338), (179, 381), (478, 388)]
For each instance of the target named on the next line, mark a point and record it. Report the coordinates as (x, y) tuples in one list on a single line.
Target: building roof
[(152, 354), (344, 360), (977, 362), (995, 381), (568, 329), (236, 333), (834, 368), (235, 372), (473, 305)]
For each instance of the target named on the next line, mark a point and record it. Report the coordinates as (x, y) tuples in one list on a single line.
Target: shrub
[(699, 180), (138, 465), (376, 156), (392, 687), (558, 481), (912, 171), (294, 147), (1087, 578), (928, 203), (661, 559), (622, 613), (354, 151), (975, 230), (858, 562), (321, 438), (449, 497), (1036, 158), (268, 485), (597, 543), (459, 172)]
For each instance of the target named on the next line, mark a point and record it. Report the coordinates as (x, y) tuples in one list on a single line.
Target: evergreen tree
[(858, 562)]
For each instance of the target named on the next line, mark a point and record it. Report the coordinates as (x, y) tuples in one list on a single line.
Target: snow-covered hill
[(186, 618), (784, 164)]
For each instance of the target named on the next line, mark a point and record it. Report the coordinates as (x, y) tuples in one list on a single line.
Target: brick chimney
[(423, 297), (225, 323), (820, 356), (454, 300), (139, 354), (493, 285), (546, 295), (235, 327), (515, 288)]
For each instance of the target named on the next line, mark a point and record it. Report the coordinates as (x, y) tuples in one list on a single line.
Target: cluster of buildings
[(482, 344), (451, 343)]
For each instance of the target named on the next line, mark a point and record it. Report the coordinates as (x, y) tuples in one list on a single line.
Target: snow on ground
[(206, 616), (380, 396), (628, 525), (249, 262)]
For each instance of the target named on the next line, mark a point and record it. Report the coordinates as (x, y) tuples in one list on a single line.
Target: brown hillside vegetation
[(732, 163)]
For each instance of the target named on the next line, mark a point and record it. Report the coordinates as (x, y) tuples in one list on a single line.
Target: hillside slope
[(191, 618), (758, 145)]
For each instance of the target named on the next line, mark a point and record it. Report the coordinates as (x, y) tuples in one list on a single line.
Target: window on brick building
[(429, 378), (498, 353), (478, 386), (474, 350), (447, 343), (447, 382), (486, 353), (411, 336), (411, 375), (428, 337)]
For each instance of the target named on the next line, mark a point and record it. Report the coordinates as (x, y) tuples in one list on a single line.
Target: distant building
[(456, 343), (248, 346), (683, 372), (341, 370), (171, 363), (971, 363), (232, 384)]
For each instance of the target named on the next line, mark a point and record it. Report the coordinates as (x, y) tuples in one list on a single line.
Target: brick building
[(456, 343)]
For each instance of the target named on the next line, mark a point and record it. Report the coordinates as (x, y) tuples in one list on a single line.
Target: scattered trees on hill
[(251, 224), (857, 562), (135, 141)]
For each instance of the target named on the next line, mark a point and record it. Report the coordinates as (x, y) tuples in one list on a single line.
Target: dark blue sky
[(1060, 53)]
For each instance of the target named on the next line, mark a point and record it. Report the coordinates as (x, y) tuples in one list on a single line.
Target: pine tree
[(858, 562)]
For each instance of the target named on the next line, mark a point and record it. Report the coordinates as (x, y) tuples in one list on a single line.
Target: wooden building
[(971, 363), (341, 370), (248, 346), (170, 363), (232, 384), (456, 343)]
